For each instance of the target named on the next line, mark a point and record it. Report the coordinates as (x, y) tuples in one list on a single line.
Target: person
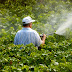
[(27, 35)]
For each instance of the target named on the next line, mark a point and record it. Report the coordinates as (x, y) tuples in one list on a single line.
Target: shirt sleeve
[(38, 40)]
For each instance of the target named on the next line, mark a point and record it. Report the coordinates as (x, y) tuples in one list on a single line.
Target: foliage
[(54, 56), (49, 14)]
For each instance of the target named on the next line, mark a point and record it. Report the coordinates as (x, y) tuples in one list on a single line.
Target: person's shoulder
[(19, 31), (35, 32)]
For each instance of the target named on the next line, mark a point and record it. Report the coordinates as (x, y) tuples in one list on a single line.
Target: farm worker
[(27, 35)]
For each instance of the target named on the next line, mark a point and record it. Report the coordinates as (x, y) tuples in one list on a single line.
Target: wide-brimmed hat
[(27, 20)]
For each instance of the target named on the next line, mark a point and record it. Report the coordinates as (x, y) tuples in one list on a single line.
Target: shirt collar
[(26, 28)]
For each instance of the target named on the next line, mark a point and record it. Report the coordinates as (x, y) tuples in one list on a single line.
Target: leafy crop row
[(54, 56)]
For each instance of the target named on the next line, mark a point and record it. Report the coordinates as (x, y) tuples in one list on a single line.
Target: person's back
[(27, 36)]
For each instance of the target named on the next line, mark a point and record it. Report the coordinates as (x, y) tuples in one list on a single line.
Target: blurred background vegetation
[(49, 14)]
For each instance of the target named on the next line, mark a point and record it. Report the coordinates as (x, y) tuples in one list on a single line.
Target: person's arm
[(38, 40), (43, 39)]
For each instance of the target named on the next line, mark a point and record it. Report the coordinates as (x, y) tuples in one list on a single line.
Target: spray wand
[(41, 35)]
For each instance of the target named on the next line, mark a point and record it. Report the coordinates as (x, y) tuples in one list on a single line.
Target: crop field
[(55, 55)]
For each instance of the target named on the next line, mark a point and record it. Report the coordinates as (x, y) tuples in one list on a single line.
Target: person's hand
[(44, 36), (43, 39)]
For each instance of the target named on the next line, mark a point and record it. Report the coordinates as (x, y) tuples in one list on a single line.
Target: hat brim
[(32, 21)]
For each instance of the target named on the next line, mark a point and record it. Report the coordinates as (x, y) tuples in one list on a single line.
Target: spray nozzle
[(41, 35)]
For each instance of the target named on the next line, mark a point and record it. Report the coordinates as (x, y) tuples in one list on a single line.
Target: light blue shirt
[(27, 36)]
